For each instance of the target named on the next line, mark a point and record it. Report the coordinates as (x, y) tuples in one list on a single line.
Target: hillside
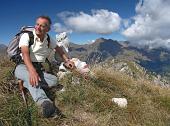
[(88, 102), (3, 49), (155, 60)]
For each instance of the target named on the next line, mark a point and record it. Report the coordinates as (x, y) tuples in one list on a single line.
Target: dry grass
[(88, 103)]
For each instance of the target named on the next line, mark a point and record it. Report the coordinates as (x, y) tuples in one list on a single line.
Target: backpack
[(13, 49)]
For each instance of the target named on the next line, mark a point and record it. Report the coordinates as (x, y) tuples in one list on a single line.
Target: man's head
[(42, 25)]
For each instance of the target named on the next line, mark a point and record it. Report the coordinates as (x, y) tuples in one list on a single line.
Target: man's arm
[(62, 54), (69, 64), (33, 75)]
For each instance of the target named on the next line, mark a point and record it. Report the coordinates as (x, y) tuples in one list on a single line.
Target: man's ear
[(48, 29)]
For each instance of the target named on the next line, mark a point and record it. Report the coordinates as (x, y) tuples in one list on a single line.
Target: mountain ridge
[(155, 60), (3, 48)]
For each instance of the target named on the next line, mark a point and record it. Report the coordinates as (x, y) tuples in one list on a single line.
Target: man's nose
[(37, 27)]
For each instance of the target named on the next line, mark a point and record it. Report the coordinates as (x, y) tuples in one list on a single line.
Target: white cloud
[(151, 24), (60, 28), (126, 22), (100, 21)]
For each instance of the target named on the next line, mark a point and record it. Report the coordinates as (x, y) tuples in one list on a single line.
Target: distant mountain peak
[(100, 40), (3, 46), (3, 49)]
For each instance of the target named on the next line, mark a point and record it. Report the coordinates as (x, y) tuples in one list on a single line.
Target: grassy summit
[(88, 102)]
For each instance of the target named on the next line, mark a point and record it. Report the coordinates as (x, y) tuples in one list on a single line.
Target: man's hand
[(34, 78), (69, 64), (33, 75)]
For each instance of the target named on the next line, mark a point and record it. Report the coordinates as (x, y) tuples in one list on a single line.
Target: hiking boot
[(48, 108)]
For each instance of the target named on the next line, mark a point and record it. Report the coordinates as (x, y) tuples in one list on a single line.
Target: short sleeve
[(24, 40)]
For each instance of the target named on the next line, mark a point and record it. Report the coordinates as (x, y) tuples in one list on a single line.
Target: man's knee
[(50, 79), (21, 72)]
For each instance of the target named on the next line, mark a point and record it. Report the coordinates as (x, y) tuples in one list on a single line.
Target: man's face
[(42, 26)]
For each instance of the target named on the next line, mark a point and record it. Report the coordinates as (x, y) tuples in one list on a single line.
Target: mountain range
[(3, 49), (155, 60)]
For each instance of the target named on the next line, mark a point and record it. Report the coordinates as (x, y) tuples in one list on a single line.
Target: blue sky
[(16, 13), (142, 22)]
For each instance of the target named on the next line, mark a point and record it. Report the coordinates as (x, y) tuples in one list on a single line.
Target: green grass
[(88, 103)]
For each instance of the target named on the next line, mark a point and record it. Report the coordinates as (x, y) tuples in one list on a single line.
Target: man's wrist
[(66, 60)]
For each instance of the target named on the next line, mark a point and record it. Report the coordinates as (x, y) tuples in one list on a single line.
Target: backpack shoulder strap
[(48, 39), (31, 36)]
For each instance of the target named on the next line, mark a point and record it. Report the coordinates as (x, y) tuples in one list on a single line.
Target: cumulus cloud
[(61, 28), (126, 23), (100, 21), (151, 24)]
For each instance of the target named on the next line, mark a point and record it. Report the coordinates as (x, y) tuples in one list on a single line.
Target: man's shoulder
[(24, 40)]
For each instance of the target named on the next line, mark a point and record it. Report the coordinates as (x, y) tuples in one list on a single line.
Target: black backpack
[(13, 49)]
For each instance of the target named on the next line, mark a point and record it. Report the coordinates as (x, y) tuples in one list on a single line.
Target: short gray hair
[(46, 17)]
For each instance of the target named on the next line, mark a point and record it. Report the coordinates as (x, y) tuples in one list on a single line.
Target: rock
[(121, 102)]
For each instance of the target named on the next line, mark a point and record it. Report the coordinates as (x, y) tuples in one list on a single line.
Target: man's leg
[(37, 93), (50, 79)]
